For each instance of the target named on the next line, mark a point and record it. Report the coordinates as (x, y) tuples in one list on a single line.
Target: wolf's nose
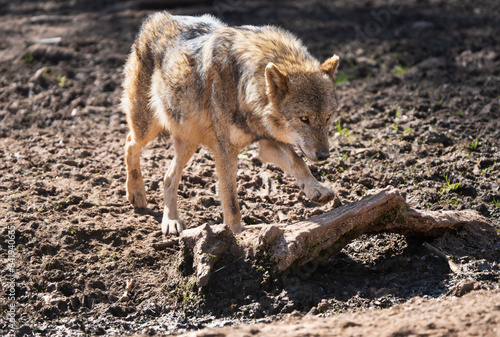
[(322, 154)]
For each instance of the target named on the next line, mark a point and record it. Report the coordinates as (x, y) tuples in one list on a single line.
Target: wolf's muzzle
[(322, 154)]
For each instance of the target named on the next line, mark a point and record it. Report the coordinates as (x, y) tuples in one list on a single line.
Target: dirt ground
[(419, 93)]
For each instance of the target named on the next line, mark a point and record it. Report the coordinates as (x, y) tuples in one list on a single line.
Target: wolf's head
[(301, 104)]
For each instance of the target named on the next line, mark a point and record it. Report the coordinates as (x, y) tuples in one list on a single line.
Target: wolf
[(207, 84)]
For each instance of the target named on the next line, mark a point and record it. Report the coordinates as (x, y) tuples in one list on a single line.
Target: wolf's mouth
[(300, 148), (312, 158)]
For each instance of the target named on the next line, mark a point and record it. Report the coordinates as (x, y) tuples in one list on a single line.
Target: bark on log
[(316, 239), (204, 246), (321, 236)]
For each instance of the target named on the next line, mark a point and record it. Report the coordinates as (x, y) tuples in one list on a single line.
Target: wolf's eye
[(328, 118), (305, 119)]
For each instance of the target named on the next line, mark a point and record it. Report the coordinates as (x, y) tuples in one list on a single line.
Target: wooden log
[(203, 246), (314, 240), (324, 235)]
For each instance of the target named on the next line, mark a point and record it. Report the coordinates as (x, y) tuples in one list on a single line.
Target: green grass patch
[(61, 80), (400, 70), (28, 58), (341, 130), (473, 145), (341, 77), (449, 186)]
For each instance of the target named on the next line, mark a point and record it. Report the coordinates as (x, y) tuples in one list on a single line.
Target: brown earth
[(419, 93), (417, 317)]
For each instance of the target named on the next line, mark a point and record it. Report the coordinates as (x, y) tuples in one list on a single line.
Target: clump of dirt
[(418, 88)]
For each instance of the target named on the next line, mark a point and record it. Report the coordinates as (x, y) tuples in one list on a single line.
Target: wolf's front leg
[(283, 156), (171, 223), (226, 163)]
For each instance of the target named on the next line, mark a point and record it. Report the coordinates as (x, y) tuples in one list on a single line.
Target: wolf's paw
[(319, 193), (235, 227), (172, 227), (137, 198)]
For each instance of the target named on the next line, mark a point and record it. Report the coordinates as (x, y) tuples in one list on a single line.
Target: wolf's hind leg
[(171, 223), (143, 125), (283, 156)]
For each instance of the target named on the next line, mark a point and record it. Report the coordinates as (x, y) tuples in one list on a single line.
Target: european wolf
[(205, 83)]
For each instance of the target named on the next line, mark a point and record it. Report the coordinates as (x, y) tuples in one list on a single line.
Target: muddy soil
[(419, 93)]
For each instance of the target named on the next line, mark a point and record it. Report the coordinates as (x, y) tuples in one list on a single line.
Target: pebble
[(464, 287)]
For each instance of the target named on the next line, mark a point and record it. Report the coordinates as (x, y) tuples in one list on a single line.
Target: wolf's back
[(163, 31)]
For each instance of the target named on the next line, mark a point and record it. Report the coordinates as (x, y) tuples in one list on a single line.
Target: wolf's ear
[(276, 81), (330, 66)]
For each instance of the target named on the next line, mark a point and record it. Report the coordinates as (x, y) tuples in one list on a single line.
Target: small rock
[(166, 244), (313, 311), (324, 306), (79, 76), (465, 287)]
